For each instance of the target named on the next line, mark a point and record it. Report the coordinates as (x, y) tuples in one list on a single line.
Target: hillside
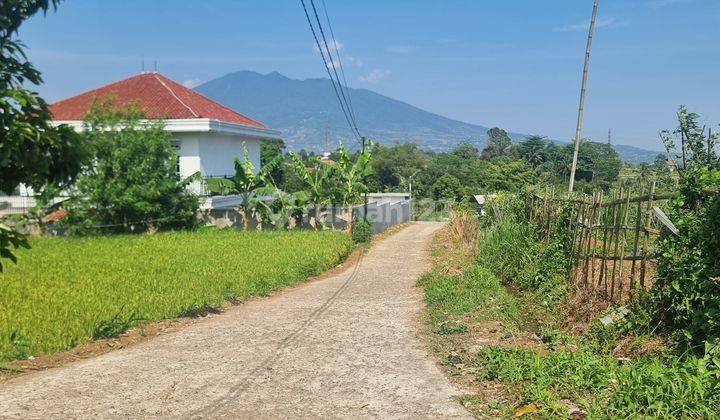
[(307, 113)]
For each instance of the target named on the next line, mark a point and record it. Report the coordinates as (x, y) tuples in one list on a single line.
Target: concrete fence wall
[(383, 214)]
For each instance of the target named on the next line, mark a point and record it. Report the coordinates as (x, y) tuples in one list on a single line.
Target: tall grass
[(66, 291)]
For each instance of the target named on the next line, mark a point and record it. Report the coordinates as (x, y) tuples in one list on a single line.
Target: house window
[(176, 145)]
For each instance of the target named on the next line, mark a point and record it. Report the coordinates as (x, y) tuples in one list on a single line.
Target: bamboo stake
[(577, 237), (596, 235), (646, 238), (603, 264), (622, 245), (618, 210), (636, 241), (591, 222)]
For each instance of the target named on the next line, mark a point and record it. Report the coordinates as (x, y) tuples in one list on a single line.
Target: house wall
[(217, 152), (212, 154)]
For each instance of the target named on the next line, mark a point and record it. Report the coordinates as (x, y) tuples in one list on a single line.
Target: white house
[(207, 135)]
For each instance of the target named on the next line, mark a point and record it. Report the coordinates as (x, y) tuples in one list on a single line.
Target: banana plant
[(316, 179), (245, 183), (352, 177)]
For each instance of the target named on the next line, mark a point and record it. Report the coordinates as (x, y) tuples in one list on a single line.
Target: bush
[(687, 289), (131, 184), (362, 231)]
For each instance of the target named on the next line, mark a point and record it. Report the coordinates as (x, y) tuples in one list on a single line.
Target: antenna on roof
[(155, 66), (142, 63)]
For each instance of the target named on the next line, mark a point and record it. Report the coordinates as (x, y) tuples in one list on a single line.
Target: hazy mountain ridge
[(307, 113)]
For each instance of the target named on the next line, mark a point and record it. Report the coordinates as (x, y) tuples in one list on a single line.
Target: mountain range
[(308, 115)]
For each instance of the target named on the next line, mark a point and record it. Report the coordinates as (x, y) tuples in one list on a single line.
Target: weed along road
[(344, 346)]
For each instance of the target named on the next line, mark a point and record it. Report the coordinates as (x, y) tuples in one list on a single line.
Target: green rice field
[(68, 291)]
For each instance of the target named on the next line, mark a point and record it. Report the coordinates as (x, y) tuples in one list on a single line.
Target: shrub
[(131, 184), (362, 231), (687, 289)]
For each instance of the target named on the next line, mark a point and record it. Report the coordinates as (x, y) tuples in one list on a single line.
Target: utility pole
[(583, 87), (609, 136)]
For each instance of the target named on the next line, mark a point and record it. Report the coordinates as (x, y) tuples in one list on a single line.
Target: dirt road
[(344, 346)]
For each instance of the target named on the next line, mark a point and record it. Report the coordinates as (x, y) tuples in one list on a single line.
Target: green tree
[(497, 144), (466, 150), (533, 150), (447, 187), (32, 151), (131, 183)]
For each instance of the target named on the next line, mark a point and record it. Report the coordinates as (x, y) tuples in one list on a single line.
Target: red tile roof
[(157, 96)]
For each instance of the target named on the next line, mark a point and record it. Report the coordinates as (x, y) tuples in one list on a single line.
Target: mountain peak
[(309, 116)]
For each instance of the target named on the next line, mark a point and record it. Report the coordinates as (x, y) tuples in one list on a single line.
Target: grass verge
[(521, 358), (68, 291)]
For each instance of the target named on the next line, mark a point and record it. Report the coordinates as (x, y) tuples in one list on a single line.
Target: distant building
[(206, 134)]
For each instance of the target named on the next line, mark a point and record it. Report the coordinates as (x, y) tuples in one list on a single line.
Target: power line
[(332, 63), (342, 69), (327, 69)]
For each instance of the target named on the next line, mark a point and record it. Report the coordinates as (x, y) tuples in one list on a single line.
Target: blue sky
[(513, 63)]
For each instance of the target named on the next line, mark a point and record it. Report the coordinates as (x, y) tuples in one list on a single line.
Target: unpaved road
[(345, 346)]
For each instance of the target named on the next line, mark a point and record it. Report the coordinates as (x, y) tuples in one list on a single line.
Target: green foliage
[(447, 187), (449, 296), (245, 182), (131, 183), (604, 387), (687, 289), (466, 150), (32, 151), (497, 144), (393, 165), (362, 231), (67, 291), (534, 150)]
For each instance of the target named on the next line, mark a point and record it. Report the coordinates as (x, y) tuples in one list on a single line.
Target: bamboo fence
[(610, 241)]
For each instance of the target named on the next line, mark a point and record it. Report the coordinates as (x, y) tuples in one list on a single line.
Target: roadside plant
[(32, 151), (316, 180), (687, 288), (351, 176), (131, 183), (362, 231), (245, 182)]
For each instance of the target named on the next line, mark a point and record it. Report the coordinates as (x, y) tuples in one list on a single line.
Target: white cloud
[(601, 22), (400, 49), (191, 83), (333, 46), (353, 61), (375, 76)]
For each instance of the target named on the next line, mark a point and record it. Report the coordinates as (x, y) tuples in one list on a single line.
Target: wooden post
[(596, 234), (636, 241), (646, 238), (603, 264), (583, 88), (622, 244), (589, 227), (616, 230), (577, 238)]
